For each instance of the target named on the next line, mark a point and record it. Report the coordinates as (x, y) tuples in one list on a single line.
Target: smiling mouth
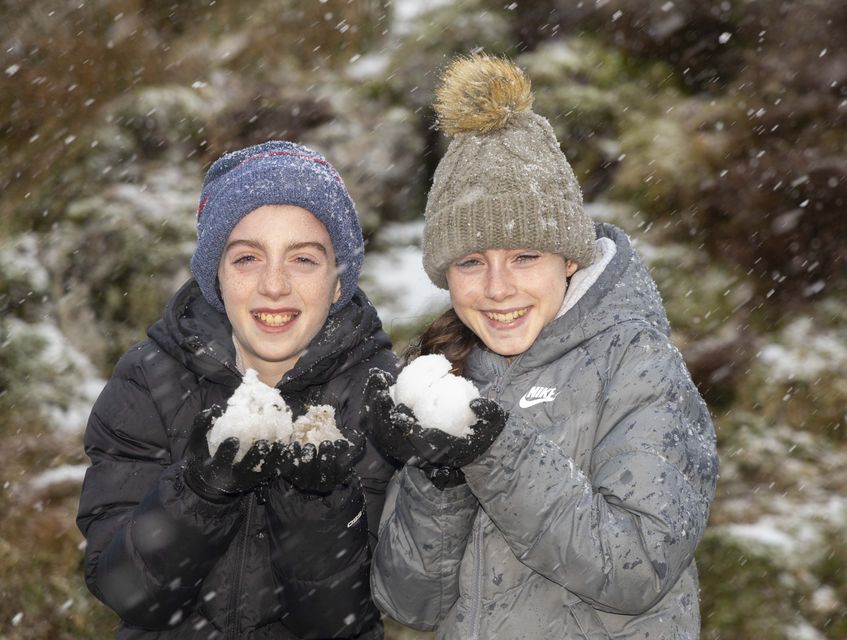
[(275, 319), (510, 316)]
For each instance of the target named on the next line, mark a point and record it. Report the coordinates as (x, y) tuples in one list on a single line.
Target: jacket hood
[(624, 292), (200, 338)]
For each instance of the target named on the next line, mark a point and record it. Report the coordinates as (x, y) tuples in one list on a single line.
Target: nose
[(499, 282), (274, 282)]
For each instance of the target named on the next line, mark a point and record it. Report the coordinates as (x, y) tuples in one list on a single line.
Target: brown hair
[(446, 335)]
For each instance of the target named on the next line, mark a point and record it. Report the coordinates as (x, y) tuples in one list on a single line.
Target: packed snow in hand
[(257, 412), (254, 412), (439, 399), (316, 425)]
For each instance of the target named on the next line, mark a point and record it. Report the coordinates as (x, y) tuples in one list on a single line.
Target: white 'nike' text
[(537, 395)]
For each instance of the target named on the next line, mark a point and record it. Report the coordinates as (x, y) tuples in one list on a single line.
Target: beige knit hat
[(504, 183)]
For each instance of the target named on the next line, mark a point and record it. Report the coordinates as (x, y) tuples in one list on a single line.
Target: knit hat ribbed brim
[(276, 172)]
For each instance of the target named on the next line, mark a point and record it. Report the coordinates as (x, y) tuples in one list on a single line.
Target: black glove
[(387, 427), (320, 469), (216, 477), (397, 432)]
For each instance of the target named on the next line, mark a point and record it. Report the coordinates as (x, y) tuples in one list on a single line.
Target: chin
[(507, 349)]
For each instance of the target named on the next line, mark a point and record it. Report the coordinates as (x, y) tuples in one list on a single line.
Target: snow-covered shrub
[(766, 453), (744, 592), (748, 156), (827, 605), (321, 34), (42, 371), (798, 377), (668, 158), (695, 37), (256, 112), (590, 95), (164, 119), (776, 575), (24, 282), (138, 240), (445, 29)]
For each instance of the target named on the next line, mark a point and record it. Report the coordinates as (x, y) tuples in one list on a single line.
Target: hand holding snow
[(257, 412), (439, 399)]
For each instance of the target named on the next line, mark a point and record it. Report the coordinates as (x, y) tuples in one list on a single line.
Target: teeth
[(274, 319), (507, 317)]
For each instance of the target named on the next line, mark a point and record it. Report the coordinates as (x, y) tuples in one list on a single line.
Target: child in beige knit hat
[(574, 508), (504, 182)]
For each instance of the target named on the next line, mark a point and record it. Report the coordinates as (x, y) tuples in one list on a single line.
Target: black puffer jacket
[(173, 565)]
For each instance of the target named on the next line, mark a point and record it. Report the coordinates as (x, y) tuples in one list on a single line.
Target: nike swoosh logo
[(526, 404)]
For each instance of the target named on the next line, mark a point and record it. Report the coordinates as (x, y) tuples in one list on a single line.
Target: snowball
[(413, 381), (316, 426), (254, 412), (439, 399)]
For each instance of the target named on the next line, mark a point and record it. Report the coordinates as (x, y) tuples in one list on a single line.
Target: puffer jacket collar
[(197, 336)]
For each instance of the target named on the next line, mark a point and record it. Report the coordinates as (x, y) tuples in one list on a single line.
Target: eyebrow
[(294, 246), (305, 245), (253, 244)]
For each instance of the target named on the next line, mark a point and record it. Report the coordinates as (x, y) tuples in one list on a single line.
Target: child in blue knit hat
[(274, 541)]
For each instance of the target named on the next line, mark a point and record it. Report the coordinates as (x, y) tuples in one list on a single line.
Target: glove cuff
[(444, 477)]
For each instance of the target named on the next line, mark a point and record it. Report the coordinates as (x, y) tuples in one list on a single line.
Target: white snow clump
[(439, 399), (257, 412), (254, 412), (316, 425)]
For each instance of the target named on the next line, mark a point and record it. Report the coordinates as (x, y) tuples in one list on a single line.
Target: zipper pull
[(261, 493)]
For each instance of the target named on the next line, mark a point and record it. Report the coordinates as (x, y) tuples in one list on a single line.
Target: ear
[(337, 291), (570, 267)]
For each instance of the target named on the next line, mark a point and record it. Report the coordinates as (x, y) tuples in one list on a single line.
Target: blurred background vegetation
[(712, 131)]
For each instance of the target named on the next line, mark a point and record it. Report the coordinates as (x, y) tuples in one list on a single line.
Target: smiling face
[(278, 279), (507, 296)]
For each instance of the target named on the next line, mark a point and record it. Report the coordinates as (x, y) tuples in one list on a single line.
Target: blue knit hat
[(276, 172)]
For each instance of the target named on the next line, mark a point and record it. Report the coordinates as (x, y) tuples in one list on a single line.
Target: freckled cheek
[(312, 288), (234, 287), (464, 292)]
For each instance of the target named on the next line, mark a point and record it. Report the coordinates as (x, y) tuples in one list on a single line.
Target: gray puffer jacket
[(581, 520)]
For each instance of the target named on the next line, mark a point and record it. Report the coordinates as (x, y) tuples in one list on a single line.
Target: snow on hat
[(504, 182), (276, 172)]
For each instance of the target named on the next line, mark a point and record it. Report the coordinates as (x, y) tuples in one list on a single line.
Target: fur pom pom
[(480, 93)]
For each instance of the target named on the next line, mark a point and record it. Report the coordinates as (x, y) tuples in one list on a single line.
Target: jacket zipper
[(476, 614), (233, 626), (500, 381)]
